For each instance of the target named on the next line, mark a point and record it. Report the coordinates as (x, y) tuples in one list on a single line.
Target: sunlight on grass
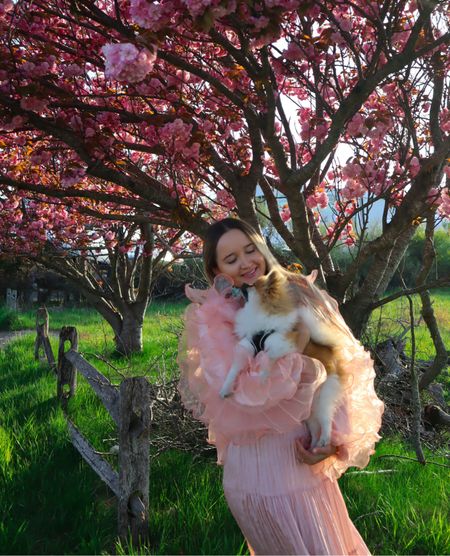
[(393, 320), (53, 503)]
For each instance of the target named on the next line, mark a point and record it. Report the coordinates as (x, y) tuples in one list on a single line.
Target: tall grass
[(393, 320), (51, 502)]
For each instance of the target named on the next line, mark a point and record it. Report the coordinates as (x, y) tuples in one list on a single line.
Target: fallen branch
[(372, 472), (410, 459)]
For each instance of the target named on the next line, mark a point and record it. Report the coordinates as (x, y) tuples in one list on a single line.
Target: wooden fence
[(129, 407)]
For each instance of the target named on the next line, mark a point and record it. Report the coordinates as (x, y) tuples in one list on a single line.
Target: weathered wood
[(98, 464), (437, 393), (11, 299), (434, 415), (134, 429), (66, 371), (49, 352), (101, 385), (389, 353), (42, 339)]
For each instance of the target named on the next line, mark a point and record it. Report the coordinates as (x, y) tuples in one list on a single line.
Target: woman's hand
[(313, 456)]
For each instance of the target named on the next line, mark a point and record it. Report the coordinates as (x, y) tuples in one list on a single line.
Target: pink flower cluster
[(125, 62), (6, 6), (33, 104), (33, 70), (318, 199), (177, 135), (152, 15), (198, 7), (226, 199), (283, 4), (444, 207), (285, 213), (72, 176)]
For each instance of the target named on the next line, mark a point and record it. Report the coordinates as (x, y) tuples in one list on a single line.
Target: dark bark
[(429, 255), (415, 397), (434, 415), (128, 337), (441, 358)]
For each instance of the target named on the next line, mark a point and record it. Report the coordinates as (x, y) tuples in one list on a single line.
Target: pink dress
[(281, 506)]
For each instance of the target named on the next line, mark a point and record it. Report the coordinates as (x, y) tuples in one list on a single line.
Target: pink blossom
[(285, 213), (414, 166), (197, 7), (72, 70), (72, 176), (318, 198), (38, 70), (284, 4), (16, 122), (41, 157), (293, 52), (125, 62), (6, 6), (445, 120), (444, 207), (356, 125), (353, 189), (33, 103), (434, 196), (151, 15), (225, 198), (320, 132), (125, 248)]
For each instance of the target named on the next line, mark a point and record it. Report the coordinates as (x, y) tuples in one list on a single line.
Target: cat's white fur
[(253, 318)]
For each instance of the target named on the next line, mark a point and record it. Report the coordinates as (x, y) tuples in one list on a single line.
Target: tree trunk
[(128, 337)]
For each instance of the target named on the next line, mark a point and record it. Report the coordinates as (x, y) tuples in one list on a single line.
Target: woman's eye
[(251, 250)]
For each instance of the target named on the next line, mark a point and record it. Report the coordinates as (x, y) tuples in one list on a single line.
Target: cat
[(279, 321)]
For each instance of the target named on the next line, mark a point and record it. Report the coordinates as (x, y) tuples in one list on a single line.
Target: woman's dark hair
[(216, 231)]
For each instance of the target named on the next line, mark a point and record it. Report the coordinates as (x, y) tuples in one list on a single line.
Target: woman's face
[(238, 257)]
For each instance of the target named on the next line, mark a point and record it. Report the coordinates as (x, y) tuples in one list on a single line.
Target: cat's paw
[(225, 393), (314, 429)]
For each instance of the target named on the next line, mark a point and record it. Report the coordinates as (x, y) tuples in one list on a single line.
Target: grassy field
[(393, 319), (52, 503)]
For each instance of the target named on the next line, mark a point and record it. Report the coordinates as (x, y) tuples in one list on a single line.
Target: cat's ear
[(311, 278), (223, 283), (195, 295)]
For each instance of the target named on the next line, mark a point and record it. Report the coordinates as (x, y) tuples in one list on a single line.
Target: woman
[(284, 497)]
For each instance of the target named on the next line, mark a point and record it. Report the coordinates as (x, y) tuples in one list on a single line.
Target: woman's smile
[(238, 257)]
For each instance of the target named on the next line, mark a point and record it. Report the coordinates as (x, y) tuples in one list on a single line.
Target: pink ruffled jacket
[(283, 402)]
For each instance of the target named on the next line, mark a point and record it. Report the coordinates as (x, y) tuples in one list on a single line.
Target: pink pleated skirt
[(283, 507)]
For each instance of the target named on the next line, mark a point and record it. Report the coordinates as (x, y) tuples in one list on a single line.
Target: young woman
[(284, 497)]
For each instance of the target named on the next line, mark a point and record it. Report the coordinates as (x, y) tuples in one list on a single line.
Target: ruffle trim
[(280, 403)]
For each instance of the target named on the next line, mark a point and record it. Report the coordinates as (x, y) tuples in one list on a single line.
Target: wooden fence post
[(134, 458), (42, 339), (67, 374)]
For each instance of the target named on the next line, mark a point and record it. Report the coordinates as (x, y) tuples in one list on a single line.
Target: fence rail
[(129, 407)]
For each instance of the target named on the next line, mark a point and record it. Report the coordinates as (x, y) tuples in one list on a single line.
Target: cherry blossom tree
[(112, 264), (185, 110)]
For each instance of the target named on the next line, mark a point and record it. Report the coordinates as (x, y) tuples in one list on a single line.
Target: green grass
[(394, 320), (51, 502), (404, 511), (9, 320)]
